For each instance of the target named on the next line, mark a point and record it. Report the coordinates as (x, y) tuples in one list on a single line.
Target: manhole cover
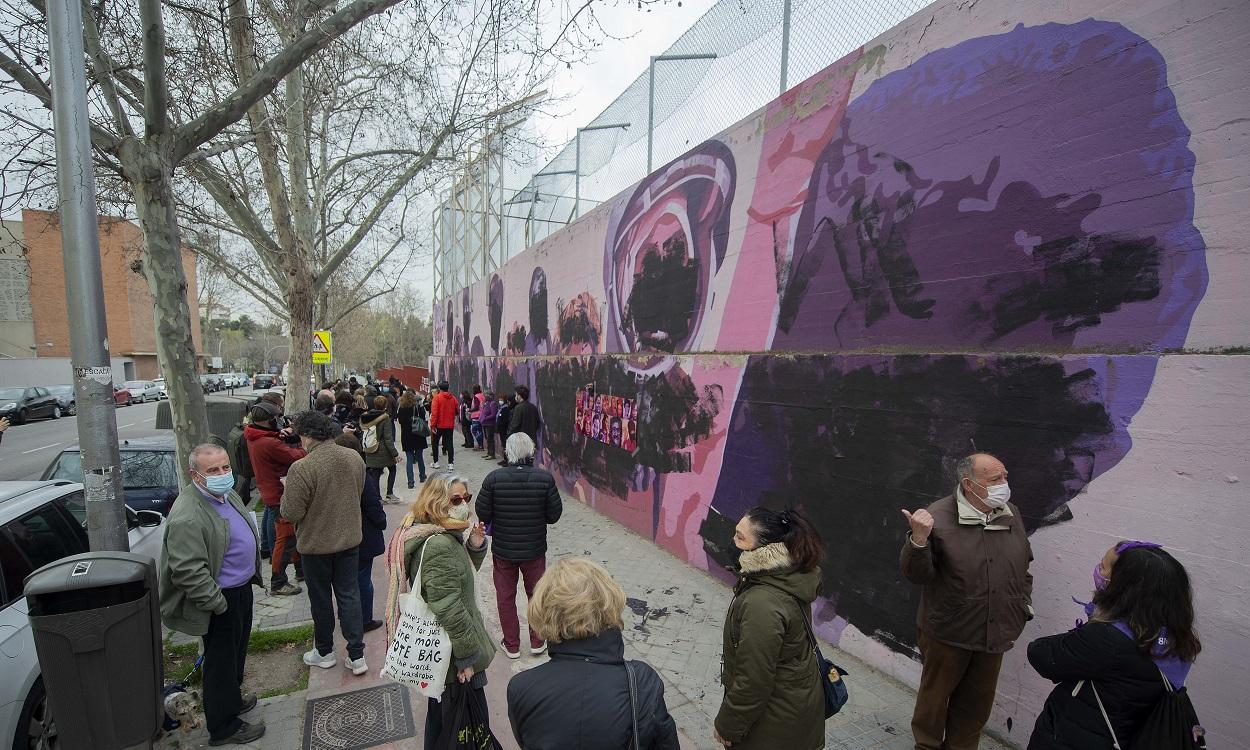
[(359, 719)]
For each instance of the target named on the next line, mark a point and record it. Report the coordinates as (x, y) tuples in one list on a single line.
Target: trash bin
[(96, 623)]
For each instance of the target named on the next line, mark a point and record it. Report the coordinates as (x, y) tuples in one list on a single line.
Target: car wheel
[(36, 729), (141, 399), (56, 412), (72, 411), (21, 417)]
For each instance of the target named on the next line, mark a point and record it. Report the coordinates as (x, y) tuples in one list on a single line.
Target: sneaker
[(539, 651), (357, 666), (490, 456), (249, 702), (510, 654), (451, 467), (285, 589), (314, 658), (436, 466), (243, 735)]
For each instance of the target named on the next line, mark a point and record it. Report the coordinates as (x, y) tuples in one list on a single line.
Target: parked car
[(121, 396), (143, 391), (33, 402), (263, 381), (149, 471), (65, 397), (160, 383), (40, 523)]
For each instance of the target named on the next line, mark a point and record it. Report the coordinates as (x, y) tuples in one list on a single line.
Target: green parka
[(386, 453), (773, 696), (447, 585)]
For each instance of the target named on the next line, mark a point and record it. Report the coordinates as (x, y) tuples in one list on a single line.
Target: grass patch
[(264, 646)]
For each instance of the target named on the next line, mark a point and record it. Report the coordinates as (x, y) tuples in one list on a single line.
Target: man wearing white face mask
[(970, 552), (210, 560)]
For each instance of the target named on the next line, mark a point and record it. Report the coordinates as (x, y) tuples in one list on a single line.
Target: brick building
[(35, 280)]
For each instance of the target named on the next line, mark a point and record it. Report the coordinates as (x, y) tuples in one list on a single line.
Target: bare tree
[(183, 84)]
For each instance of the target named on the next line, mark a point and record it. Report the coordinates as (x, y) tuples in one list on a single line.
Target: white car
[(143, 390), (160, 383), (40, 523)]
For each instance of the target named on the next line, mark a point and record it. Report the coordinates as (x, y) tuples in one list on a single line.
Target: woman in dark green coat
[(454, 550), (773, 695)]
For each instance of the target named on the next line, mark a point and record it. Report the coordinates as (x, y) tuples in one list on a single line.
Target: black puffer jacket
[(1128, 683), (519, 501), (580, 700)]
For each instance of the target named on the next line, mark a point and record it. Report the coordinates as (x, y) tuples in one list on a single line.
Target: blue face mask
[(219, 484)]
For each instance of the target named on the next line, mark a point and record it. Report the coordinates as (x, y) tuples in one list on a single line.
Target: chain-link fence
[(735, 59)]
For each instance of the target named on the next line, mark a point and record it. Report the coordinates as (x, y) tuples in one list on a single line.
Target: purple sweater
[(239, 564), (490, 411)]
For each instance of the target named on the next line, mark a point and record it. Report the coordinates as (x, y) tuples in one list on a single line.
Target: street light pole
[(84, 287)]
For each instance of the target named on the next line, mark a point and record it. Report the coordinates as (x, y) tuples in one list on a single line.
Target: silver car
[(143, 390), (40, 523)]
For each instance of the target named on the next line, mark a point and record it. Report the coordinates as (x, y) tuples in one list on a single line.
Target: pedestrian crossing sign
[(321, 351)]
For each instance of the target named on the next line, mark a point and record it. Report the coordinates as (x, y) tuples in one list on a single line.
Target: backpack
[(1171, 724), (369, 438), (236, 448), (419, 426)]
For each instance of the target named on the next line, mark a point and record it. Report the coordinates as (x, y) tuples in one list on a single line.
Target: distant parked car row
[(21, 405)]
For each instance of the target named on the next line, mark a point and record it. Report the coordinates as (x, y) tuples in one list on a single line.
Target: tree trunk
[(162, 266), (301, 299)]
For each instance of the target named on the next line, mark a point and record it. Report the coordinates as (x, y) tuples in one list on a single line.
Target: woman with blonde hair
[(616, 703), (437, 523)]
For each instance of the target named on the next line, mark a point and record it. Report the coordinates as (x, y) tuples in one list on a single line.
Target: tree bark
[(302, 299), (153, 186)]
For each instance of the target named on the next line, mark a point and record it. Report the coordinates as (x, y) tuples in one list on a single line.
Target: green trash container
[(95, 618)]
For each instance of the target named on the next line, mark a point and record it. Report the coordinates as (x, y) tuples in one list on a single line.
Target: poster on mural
[(607, 419)]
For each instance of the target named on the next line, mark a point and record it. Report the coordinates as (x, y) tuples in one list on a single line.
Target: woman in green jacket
[(437, 522), (386, 455), (773, 695)]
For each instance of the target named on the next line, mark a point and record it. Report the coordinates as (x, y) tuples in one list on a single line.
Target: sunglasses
[(457, 499)]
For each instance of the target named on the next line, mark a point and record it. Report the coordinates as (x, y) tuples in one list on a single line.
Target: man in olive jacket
[(322, 499), (970, 552), (210, 559)]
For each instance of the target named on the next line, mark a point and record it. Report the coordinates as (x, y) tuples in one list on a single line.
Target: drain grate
[(359, 719)]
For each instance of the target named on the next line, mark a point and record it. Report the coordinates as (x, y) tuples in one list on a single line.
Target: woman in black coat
[(412, 444), (1140, 632), (372, 538), (580, 700)]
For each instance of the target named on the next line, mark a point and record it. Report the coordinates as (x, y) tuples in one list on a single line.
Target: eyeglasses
[(457, 499)]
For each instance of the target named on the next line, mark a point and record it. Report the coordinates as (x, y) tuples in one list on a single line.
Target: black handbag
[(829, 674)]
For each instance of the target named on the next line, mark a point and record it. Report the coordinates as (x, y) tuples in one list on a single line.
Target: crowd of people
[(319, 478)]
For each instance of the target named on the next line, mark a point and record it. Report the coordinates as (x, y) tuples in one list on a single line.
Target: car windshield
[(10, 394), (140, 469), (60, 389), (134, 384)]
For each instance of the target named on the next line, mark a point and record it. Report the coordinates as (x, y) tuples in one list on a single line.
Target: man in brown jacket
[(970, 552), (322, 499)]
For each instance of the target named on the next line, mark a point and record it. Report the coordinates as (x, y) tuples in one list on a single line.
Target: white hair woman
[(577, 608), (518, 501)]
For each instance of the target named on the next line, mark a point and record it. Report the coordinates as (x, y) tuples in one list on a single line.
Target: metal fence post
[(785, 43), (651, 93), (84, 286)]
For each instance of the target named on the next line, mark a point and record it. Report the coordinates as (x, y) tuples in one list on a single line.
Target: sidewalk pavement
[(674, 621)]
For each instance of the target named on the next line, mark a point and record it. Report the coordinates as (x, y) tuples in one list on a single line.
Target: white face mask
[(459, 512), (996, 496)]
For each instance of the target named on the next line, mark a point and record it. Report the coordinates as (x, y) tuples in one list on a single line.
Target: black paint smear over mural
[(1085, 277), (673, 415), (538, 305), (449, 328), (516, 340), (854, 439), (576, 327), (466, 313), (659, 308), (462, 373), (494, 310)]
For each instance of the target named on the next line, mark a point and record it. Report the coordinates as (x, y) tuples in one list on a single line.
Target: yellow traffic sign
[(321, 348)]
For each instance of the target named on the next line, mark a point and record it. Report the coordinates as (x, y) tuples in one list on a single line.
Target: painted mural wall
[(1012, 227)]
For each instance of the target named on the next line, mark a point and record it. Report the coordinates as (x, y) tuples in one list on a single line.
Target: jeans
[(336, 573), (445, 436), (225, 651), (284, 552), (488, 438), (466, 429), (419, 457), (393, 470), (475, 428), (267, 536), (434, 715), (505, 575), (364, 581)]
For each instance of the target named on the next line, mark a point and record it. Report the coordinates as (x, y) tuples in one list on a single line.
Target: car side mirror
[(148, 518)]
